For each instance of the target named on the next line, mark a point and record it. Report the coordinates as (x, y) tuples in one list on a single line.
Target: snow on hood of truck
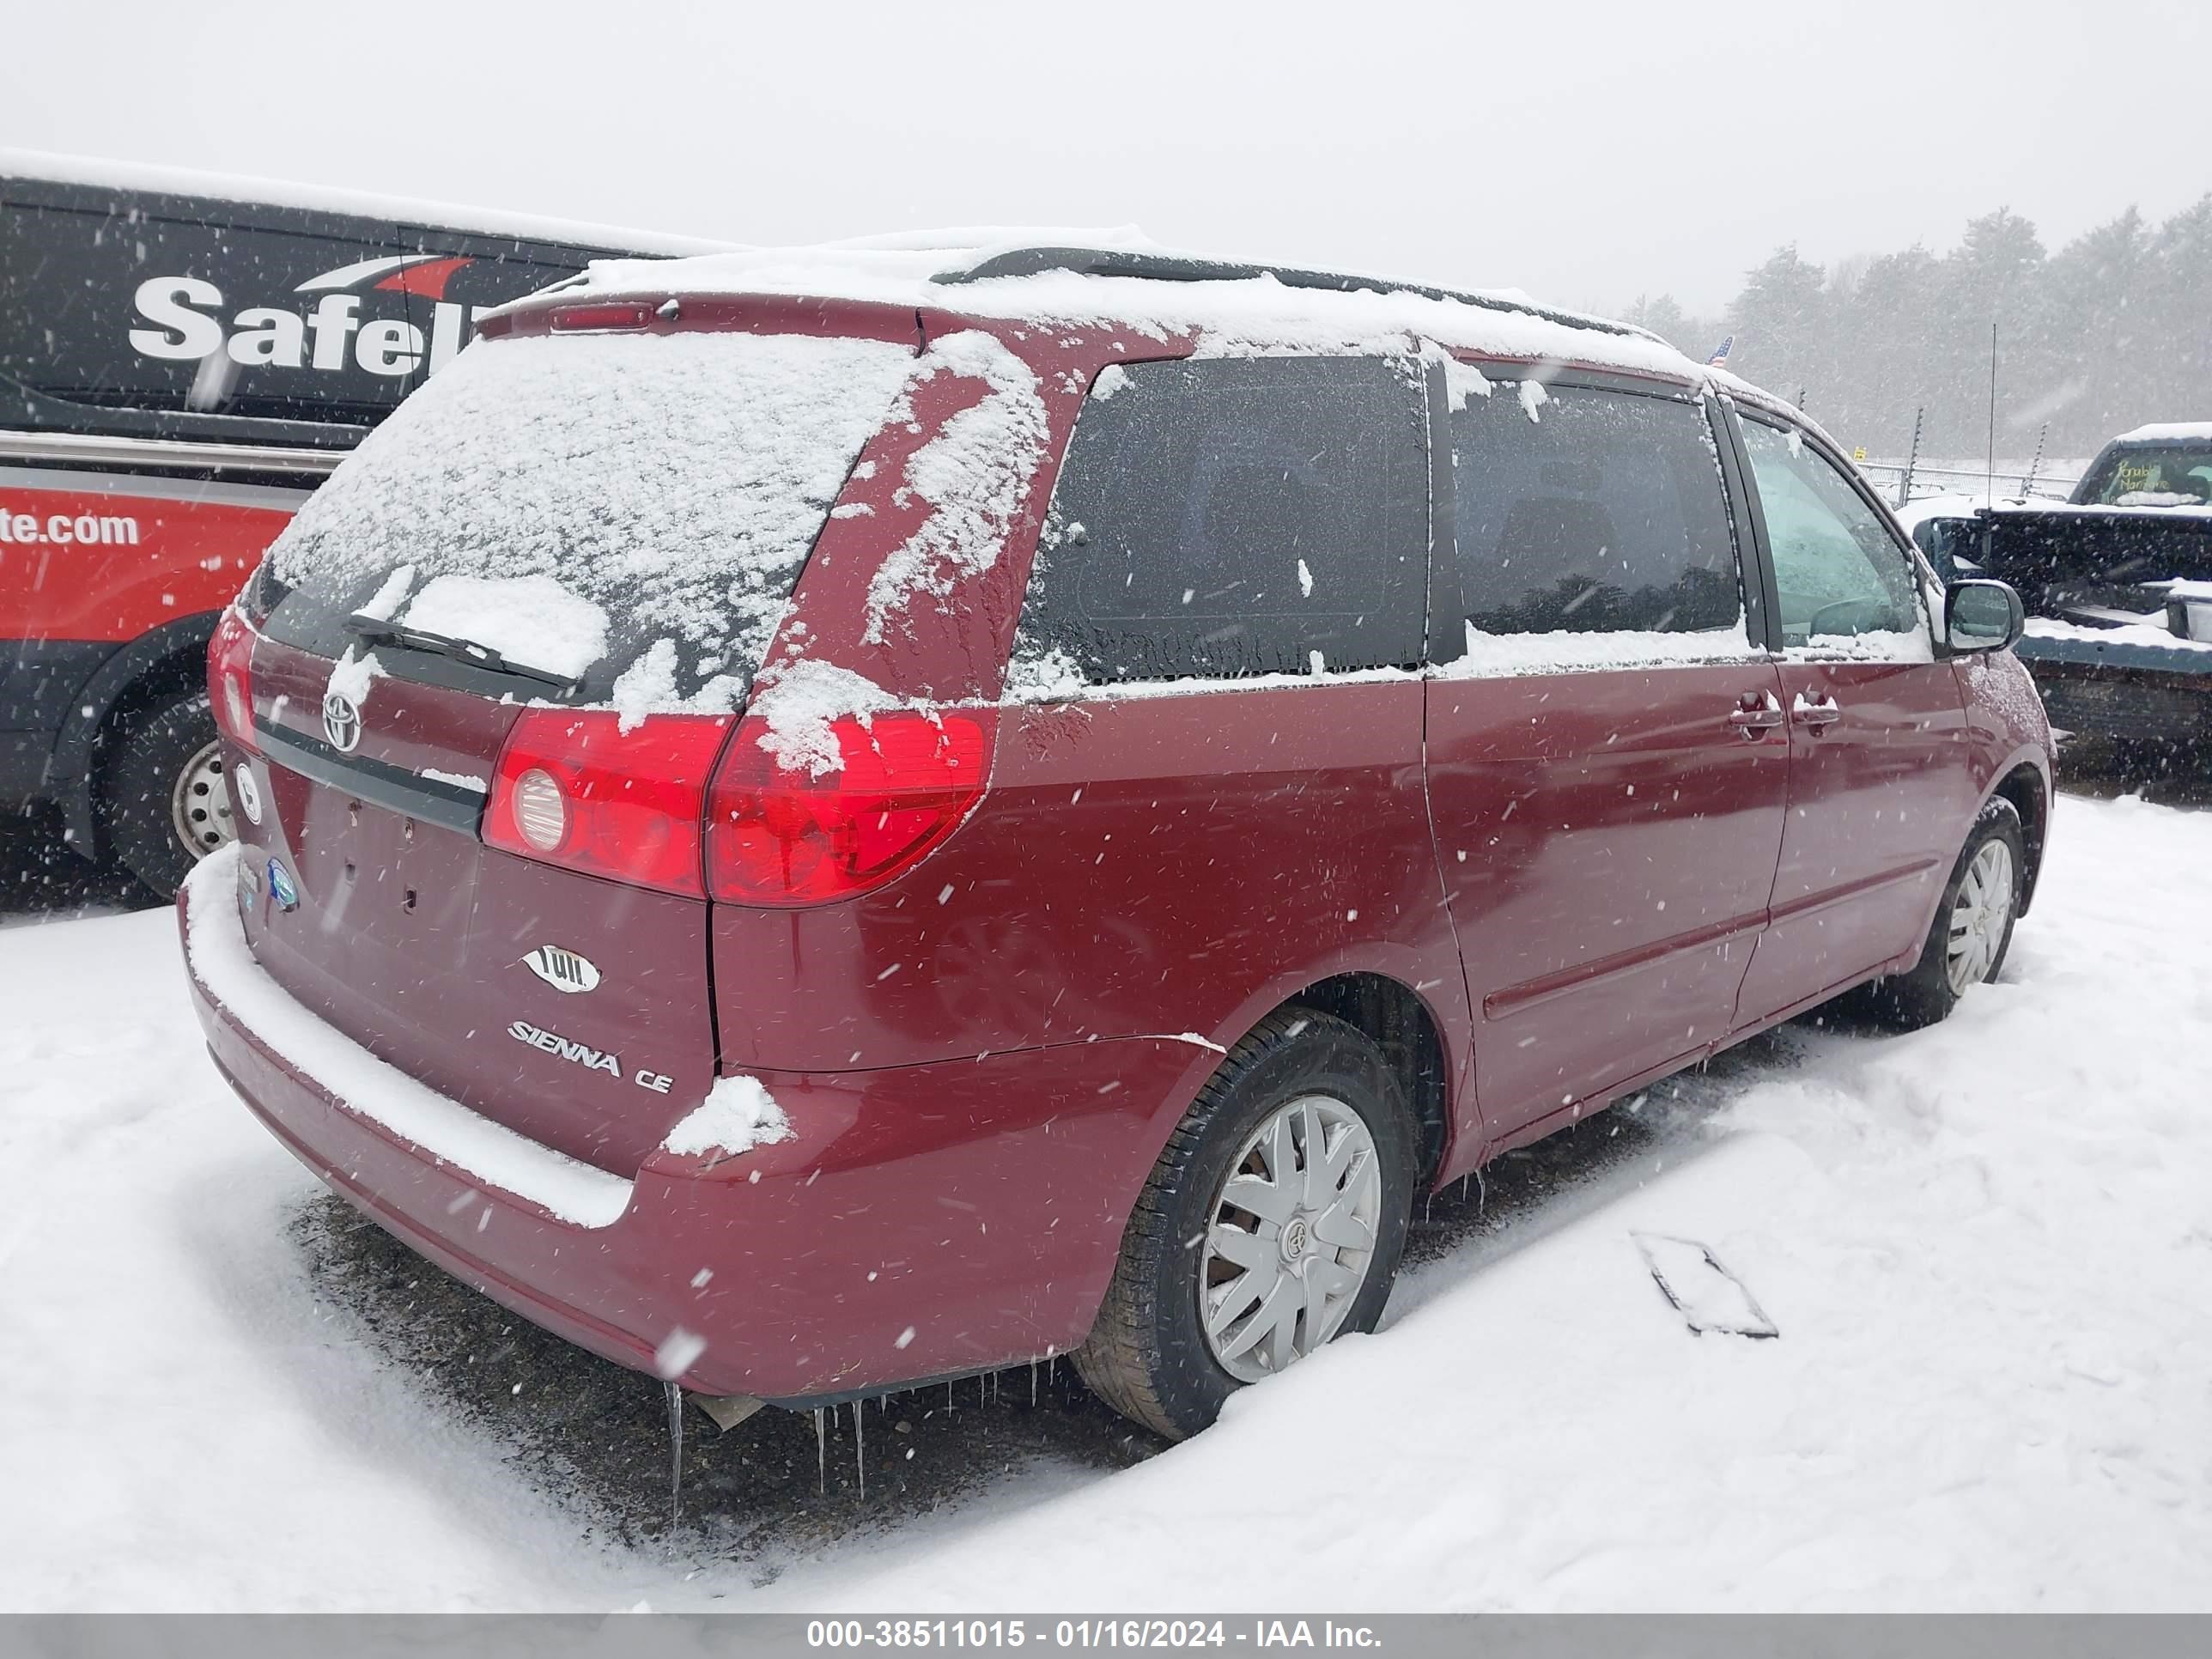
[(2150, 635), (2103, 510), (2159, 432)]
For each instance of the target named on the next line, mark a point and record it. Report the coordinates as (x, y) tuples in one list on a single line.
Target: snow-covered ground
[(1987, 1248)]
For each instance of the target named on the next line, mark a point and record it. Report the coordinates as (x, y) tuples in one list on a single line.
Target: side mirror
[(1982, 616)]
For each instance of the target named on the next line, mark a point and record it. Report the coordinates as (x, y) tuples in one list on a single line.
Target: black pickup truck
[(2117, 584)]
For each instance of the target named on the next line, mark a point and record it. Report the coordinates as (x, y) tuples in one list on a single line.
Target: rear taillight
[(572, 788), (783, 835), (230, 677)]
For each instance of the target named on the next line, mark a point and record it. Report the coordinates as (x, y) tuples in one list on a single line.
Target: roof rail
[(1182, 268)]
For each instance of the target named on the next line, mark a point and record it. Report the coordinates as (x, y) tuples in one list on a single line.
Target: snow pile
[(801, 700), (533, 620), (675, 481), (1462, 381), (470, 780), (1874, 644), (1054, 675), (972, 473), (650, 685), (382, 605), (737, 1114), (350, 676), (489, 1153), (1497, 656)]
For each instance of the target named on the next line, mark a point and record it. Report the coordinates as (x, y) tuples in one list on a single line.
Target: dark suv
[(813, 828)]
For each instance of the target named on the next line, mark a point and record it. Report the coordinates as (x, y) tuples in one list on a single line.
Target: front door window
[(1842, 582)]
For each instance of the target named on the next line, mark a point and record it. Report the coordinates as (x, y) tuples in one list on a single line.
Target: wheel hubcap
[(1290, 1237), (1979, 915), (199, 805)]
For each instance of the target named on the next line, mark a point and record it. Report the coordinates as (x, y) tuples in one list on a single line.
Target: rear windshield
[(2164, 476), (591, 507)]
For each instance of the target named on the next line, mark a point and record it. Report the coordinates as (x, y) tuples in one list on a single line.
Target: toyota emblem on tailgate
[(341, 721)]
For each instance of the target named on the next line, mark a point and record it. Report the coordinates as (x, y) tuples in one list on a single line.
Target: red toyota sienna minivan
[(817, 823)]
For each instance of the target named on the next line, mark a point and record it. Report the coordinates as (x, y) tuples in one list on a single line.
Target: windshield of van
[(2164, 477), (591, 505)]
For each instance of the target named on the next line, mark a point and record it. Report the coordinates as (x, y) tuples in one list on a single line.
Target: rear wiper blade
[(373, 630)]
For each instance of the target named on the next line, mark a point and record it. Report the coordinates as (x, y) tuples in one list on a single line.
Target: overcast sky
[(1585, 152)]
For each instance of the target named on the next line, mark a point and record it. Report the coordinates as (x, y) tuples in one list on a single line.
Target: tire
[(1943, 976), (1150, 1355), (164, 801)]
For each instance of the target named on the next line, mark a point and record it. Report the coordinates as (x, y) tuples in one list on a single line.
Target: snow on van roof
[(1038, 277), (56, 169), (2168, 432)]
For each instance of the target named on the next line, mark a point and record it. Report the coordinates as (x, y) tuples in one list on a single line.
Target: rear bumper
[(924, 1221)]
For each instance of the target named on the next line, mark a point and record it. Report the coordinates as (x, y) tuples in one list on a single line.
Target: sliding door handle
[(1819, 715), (1756, 712)]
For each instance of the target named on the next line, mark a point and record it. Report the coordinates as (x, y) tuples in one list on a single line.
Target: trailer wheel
[(164, 795)]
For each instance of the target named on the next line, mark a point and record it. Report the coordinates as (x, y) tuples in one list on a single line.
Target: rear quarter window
[(1233, 517)]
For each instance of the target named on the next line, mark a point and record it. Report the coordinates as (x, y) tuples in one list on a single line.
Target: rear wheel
[(1272, 1223), (165, 792), (1972, 930)]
